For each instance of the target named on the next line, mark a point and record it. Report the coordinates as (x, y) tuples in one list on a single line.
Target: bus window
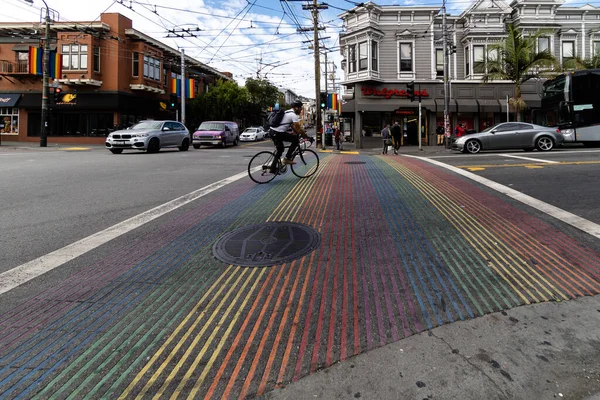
[(565, 113)]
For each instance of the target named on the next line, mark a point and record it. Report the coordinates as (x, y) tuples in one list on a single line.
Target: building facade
[(386, 47), (112, 76)]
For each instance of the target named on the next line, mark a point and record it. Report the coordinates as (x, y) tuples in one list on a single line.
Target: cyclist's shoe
[(311, 140), (288, 161)]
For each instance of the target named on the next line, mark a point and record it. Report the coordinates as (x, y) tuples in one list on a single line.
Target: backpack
[(274, 119)]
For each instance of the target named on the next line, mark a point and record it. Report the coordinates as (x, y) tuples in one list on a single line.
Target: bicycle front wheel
[(307, 163), (260, 165)]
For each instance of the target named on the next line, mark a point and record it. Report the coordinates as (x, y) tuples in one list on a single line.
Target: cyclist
[(289, 130)]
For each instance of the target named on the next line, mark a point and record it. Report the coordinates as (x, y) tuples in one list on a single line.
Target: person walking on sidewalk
[(396, 134), (385, 136), (337, 135)]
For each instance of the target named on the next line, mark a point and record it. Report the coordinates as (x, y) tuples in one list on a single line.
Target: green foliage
[(518, 62), (226, 101)]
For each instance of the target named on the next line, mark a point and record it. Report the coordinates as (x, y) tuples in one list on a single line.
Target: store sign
[(388, 93), (69, 99), (405, 111)]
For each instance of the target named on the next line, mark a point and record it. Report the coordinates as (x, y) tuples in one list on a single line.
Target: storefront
[(473, 105), (88, 117), (9, 114)]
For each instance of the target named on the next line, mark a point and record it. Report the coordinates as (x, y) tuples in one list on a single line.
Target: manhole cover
[(266, 244), (355, 162)]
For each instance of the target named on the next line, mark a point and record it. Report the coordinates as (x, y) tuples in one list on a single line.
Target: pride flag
[(36, 62), (332, 101), (189, 87)]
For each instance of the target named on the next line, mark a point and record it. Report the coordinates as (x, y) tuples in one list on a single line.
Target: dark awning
[(467, 105), (9, 99), (533, 100), (25, 47), (488, 105)]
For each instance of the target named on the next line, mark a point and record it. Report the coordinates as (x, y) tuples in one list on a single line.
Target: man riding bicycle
[(289, 130)]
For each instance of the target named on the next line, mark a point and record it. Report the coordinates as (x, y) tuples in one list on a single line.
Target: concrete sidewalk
[(542, 351)]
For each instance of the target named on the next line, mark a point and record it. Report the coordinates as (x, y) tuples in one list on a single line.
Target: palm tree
[(516, 59), (578, 63)]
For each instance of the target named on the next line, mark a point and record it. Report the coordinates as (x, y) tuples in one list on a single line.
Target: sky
[(249, 38)]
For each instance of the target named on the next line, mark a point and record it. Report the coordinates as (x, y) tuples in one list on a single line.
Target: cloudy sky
[(248, 38)]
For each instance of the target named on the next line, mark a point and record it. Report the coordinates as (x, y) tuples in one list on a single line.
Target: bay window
[(352, 58), (374, 56), (363, 59)]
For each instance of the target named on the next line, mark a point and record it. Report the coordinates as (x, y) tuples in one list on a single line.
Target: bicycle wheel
[(307, 163), (260, 165)]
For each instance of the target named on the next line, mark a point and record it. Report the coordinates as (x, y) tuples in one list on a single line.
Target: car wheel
[(472, 146), (185, 145), (116, 151), (196, 146), (544, 143), (153, 146)]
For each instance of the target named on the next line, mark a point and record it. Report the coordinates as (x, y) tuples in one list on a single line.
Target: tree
[(225, 101), (516, 59), (578, 63)]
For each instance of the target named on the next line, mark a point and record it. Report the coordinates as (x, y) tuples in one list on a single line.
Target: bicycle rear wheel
[(260, 165), (307, 163)]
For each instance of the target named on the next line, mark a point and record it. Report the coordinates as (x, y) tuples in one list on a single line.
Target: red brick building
[(112, 76)]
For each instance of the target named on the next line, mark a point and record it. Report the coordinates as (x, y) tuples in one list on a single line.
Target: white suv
[(150, 136)]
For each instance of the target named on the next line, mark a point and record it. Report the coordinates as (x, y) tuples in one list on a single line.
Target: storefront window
[(9, 121)]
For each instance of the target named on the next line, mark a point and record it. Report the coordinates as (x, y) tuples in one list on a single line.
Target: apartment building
[(112, 76), (386, 47)]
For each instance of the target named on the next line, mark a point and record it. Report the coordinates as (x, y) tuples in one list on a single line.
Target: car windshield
[(211, 126), (252, 130), (147, 125)]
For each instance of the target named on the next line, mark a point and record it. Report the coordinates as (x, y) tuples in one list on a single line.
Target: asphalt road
[(493, 297)]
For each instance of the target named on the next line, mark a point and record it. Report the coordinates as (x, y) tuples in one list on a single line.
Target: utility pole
[(326, 103), (183, 86), (446, 88)]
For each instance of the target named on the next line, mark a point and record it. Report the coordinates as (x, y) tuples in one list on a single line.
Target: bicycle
[(259, 167)]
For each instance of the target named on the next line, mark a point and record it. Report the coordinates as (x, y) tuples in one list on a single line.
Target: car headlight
[(461, 140)]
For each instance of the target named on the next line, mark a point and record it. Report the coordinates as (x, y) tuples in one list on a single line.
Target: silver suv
[(150, 136)]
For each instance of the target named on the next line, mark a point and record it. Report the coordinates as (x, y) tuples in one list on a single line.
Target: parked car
[(510, 135), (252, 134), (150, 136), (216, 133)]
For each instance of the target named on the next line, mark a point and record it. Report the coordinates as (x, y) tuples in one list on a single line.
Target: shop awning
[(532, 100), (467, 105), (25, 47), (488, 105), (9, 99), (348, 107)]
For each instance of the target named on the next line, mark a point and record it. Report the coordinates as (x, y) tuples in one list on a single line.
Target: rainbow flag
[(55, 65), (176, 86), (36, 62), (332, 101), (189, 87), (36, 58)]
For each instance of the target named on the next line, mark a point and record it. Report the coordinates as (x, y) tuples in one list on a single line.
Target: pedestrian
[(337, 135), (440, 134), (385, 136), (459, 131), (396, 133)]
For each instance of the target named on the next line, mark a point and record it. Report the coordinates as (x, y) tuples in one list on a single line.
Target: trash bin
[(328, 139)]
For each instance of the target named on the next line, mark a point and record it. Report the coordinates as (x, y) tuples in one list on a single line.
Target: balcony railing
[(14, 68)]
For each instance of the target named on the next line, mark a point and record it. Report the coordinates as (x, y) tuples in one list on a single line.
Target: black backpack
[(274, 119)]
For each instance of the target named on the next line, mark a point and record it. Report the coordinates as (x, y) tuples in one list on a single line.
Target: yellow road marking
[(77, 148)]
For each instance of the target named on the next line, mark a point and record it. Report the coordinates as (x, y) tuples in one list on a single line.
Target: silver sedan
[(510, 135)]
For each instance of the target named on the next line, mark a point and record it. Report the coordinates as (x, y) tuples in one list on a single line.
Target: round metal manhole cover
[(355, 162), (266, 244)]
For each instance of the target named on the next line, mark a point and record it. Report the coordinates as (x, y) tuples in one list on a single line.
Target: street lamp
[(46, 69)]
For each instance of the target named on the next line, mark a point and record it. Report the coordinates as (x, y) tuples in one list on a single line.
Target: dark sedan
[(510, 135)]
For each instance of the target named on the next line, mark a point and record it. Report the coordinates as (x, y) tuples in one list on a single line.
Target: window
[(10, 118), (374, 63), (75, 56), (406, 57), (136, 64), (363, 56), (596, 48), (543, 44), (352, 59), (479, 59), (467, 62), (151, 68), (568, 52), (439, 63), (96, 59)]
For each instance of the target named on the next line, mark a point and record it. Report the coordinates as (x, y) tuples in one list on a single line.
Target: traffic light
[(452, 49), (323, 100), (54, 93), (410, 90), (173, 102)]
